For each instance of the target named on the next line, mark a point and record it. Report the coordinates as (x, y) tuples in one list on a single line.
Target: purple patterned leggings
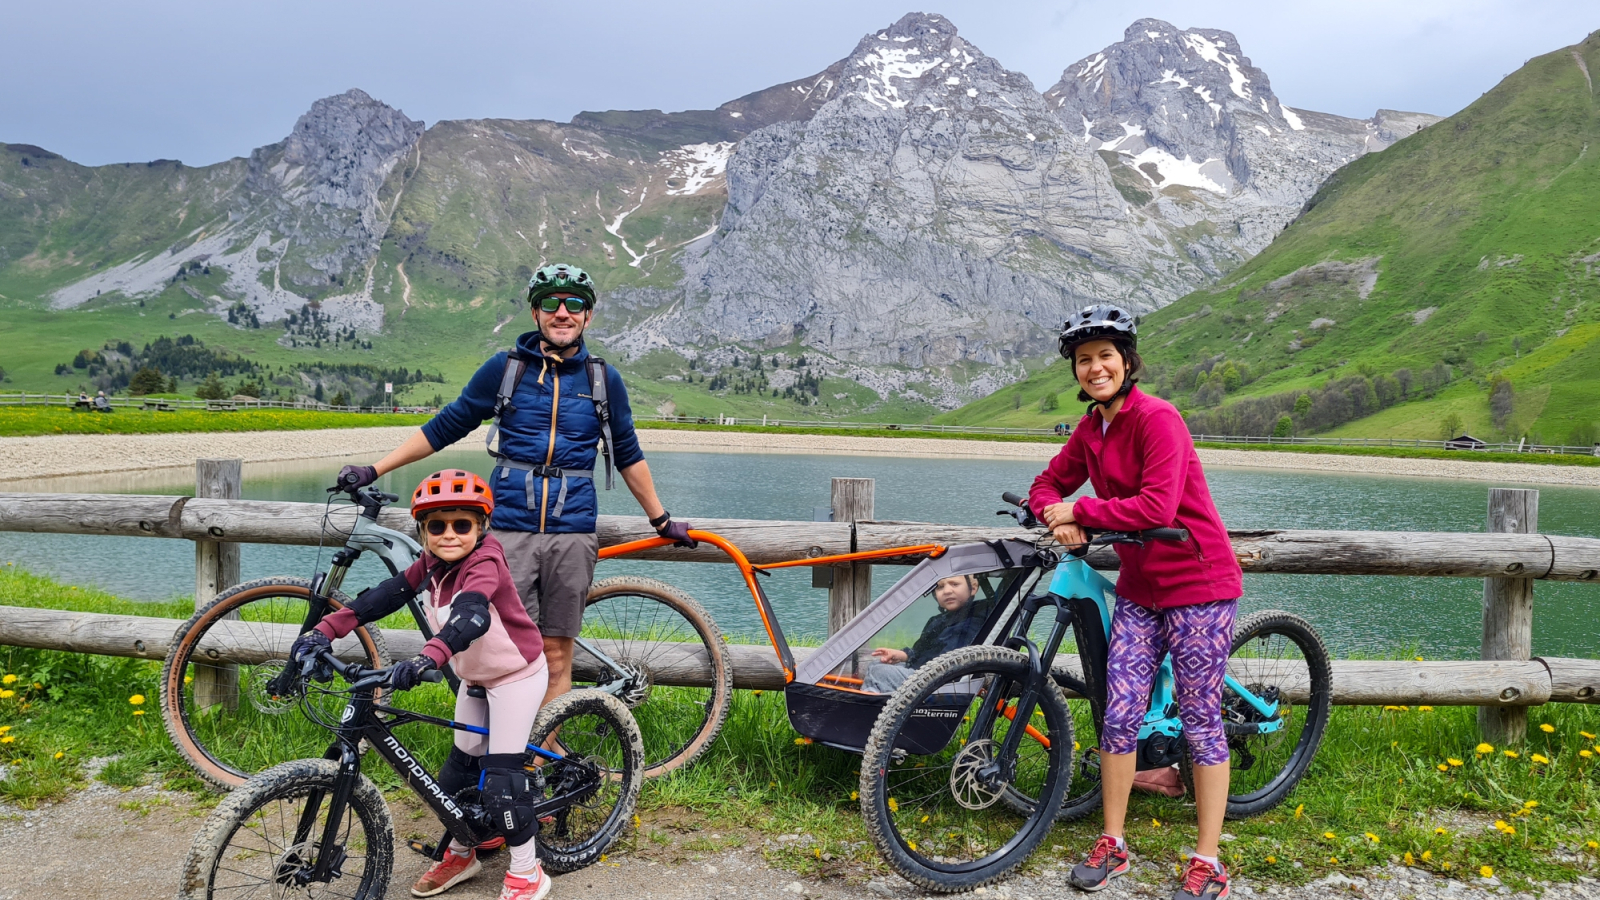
[(1200, 638)]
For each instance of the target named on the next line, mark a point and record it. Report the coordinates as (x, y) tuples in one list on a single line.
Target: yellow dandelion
[(1417, 658), (4, 728), (1483, 748), (1373, 838), (137, 699), (756, 693), (1299, 810), (1547, 728), (1155, 823), (1272, 860), (894, 805), (1424, 709), (924, 820), (912, 844), (6, 695), (1076, 746), (1334, 860), (1454, 762), (1586, 735), (817, 852), (1440, 830), (8, 739), (1511, 829), (1443, 768), (1597, 748), (1486, 871), (1594, 845), (1427, 855), (1410, 860), (138, 712), (37, 686), (636, 820), (59, 754), (855, 795), (1330, 835), (1586, 754), (1445, 865), (1511, 754), (1540, 758), (9, 679), (1500, 825), (188, 679)]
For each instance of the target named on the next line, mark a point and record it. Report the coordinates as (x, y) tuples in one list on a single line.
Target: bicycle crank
[(975, 782)]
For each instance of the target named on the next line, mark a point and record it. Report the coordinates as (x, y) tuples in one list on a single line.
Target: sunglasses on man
[(436, 527), (575, 305)]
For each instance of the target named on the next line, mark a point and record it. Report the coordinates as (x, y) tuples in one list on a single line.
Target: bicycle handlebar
[(1025, 517), (357, 675)]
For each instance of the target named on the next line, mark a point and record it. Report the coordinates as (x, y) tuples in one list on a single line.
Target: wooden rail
[(1451, 554), (1355, 682)]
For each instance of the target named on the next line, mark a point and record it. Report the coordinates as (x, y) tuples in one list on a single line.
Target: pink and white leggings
[(508, 713), (1200, 639)]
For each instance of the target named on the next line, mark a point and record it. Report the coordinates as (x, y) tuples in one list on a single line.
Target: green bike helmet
[(561, 279)]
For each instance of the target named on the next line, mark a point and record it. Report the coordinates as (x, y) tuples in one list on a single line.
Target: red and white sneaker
[(1202, 880), (446, 874), (519, 888)]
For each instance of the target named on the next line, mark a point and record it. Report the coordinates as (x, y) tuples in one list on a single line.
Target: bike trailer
[(954, 600)]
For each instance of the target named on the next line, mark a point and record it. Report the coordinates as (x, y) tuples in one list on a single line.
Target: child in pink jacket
[(483, 631)]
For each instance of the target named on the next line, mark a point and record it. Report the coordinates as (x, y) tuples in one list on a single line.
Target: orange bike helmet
[(452, 489)]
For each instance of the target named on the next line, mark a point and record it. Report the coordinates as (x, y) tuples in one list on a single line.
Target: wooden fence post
[(1508, 612), (852, 585), (216, 568)]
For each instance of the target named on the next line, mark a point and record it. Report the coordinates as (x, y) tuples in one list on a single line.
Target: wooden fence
[(1510, 558)]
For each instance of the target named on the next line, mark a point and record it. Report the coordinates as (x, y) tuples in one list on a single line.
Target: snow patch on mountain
[(697, 166)]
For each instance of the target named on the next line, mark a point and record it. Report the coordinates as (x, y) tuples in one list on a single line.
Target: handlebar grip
[(1013, 499), (433, 675), (386, 496), (1166, 534)]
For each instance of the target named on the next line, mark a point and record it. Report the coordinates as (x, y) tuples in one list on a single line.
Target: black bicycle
[(960, 805), (319, 828)]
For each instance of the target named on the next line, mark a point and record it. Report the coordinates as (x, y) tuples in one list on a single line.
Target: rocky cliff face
[(915, 214)]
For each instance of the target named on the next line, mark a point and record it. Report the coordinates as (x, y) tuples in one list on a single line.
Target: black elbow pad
[(469, 620), (382, 599)]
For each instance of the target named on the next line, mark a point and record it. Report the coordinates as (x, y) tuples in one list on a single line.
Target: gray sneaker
[(1201, 880), (1104, 863)]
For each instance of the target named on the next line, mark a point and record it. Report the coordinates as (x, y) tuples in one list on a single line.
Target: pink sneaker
[(519, 888), (446, 874)]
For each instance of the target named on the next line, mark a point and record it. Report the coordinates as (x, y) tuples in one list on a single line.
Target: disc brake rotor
[(966, 786), (257, 686), (637, 682), (289, 863)]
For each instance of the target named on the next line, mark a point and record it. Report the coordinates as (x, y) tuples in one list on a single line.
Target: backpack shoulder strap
[(602, 407), (509, 379)]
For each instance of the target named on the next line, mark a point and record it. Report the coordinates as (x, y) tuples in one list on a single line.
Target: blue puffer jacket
[(552, 397)]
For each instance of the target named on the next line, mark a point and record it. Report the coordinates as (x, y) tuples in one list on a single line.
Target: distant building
[(1464, 442)]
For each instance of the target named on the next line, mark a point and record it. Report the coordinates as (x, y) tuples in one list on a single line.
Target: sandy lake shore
[(136, 461)]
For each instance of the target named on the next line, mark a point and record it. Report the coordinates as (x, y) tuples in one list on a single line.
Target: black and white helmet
[(1098, 322)]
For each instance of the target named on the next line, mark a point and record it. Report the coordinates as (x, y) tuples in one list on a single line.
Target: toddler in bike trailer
[(1171, 598), (484, 632)]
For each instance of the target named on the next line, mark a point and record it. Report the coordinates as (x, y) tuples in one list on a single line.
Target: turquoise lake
[(1436, 617)]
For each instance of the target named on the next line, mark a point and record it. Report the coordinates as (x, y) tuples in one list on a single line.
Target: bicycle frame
[(365, 719), (747, 569)]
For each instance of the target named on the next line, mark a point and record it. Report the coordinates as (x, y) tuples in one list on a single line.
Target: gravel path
[(160, 455), (103, 842)]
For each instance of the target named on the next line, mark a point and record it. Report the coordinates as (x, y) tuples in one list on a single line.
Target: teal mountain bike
[(1018, 749)]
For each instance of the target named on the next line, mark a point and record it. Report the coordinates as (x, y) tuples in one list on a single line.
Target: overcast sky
[(102, 82)]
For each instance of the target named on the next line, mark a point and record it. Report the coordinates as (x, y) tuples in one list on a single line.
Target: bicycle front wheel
[(939, 803), (665, 659), (216, 701), (604, 768), (263, 840), (1278, 658)]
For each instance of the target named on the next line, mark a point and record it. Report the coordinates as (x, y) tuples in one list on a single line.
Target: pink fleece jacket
[(1146, 474)]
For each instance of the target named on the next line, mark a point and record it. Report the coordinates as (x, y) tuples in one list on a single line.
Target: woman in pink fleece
[(1171, 597), (484, 632)]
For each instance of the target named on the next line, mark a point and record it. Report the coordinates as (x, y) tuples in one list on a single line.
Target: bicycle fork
[(1001, 769)]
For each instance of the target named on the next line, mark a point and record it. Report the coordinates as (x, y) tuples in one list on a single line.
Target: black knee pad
[(459, 772), (509, 796)]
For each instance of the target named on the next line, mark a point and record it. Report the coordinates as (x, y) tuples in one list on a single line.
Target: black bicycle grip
[(1165, 534), (1013, 499), (433, 675)]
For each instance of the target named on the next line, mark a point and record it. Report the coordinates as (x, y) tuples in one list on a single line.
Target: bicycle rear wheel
[(1277, 656), (605, 760), (657, 635), (215, 700), (270, 830), (935, 811)]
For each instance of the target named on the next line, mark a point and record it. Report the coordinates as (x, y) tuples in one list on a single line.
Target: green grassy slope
[(1481, 231)]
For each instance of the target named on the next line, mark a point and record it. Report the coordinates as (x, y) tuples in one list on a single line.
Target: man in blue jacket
[(549, 425)]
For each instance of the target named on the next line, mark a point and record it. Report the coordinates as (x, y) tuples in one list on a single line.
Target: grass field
[(1390, 784), (27, 421)]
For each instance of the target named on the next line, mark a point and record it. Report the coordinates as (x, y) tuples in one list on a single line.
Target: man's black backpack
[(516, 365)]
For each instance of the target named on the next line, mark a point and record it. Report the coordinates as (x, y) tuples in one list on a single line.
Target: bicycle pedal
[(423, 847)]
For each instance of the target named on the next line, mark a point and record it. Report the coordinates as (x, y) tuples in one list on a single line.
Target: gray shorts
[(553, 573)]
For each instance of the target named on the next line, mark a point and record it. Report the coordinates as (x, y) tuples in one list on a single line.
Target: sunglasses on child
[(575, 305), (436, 527)]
